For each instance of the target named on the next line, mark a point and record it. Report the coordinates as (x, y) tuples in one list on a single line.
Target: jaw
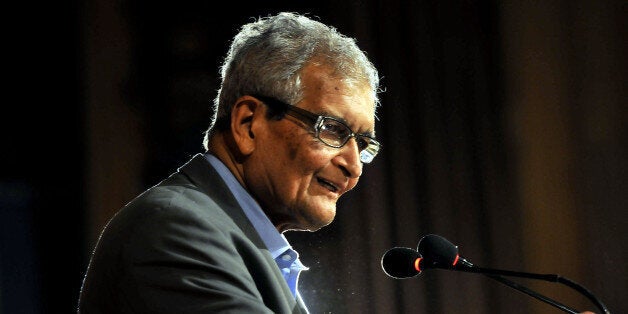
[(310, 214)]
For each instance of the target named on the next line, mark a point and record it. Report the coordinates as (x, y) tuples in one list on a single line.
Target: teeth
[(328, 185)]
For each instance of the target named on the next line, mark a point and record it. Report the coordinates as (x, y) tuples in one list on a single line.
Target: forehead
[(329, 95)]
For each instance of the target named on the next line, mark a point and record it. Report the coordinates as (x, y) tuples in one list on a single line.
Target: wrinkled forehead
[(352, 102), (320, 78)]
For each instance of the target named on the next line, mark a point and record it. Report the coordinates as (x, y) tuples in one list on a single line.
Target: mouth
[(328, 185)]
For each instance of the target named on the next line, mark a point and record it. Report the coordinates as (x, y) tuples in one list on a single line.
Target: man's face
[(298, 179)]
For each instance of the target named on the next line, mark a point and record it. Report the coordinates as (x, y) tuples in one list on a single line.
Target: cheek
[(310, 155), (293, 146), (302, 153), (300, 148), (279, 149)]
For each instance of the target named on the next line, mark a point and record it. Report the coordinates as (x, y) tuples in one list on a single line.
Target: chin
[(320, 220)]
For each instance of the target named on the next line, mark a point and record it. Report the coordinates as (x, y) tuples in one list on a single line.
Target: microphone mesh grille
[(398, 262), (437, 249)]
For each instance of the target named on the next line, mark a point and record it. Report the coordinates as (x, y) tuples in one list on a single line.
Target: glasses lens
[(333, 133), (368, 154)]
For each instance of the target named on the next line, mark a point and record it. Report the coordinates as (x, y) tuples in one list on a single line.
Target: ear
[(243, 114)]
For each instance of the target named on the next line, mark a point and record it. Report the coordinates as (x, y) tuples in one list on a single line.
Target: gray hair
[(267, 55)]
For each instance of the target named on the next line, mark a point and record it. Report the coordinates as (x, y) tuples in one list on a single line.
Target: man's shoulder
[(184, 189), (177, 197), (192, 195)]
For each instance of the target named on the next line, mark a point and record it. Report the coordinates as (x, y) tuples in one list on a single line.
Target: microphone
[(401, 262), (438, 252)]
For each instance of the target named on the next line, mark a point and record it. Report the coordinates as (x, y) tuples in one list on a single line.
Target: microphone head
[(438, 250), (399, 262)]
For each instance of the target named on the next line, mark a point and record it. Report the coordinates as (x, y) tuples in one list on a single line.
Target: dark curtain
[(503, 126)]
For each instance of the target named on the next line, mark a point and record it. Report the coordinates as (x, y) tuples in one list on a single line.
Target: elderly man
[(293, 126)]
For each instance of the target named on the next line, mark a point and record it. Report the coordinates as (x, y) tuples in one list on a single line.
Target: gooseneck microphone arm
[(532, 293), (496, 274)]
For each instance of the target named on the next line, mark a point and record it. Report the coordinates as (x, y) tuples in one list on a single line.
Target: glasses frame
[(316, 122)]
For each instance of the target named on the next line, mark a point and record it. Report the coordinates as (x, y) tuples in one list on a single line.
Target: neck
[(222, 146), (218, 145)]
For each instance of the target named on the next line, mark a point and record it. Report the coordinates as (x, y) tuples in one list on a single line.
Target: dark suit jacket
[(184, 246)]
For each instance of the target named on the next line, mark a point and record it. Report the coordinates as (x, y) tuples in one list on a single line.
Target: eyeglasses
[(329, 130)]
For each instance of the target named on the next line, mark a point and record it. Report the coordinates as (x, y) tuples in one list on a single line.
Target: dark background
[(503, 127)]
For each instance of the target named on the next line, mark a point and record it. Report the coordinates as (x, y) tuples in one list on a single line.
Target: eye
[(363, 142), (339, 130)]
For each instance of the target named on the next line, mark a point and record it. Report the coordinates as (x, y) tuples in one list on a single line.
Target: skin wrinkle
[(292, 150)]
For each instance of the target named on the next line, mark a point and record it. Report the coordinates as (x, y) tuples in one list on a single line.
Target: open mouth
[(330, 186)]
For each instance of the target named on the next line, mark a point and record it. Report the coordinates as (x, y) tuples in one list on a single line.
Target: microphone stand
[(529, 292), (497, 274)]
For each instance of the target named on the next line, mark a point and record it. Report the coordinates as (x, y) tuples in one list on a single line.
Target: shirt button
[(286, 257)]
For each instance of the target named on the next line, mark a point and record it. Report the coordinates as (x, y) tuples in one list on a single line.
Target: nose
[(348, 159)]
